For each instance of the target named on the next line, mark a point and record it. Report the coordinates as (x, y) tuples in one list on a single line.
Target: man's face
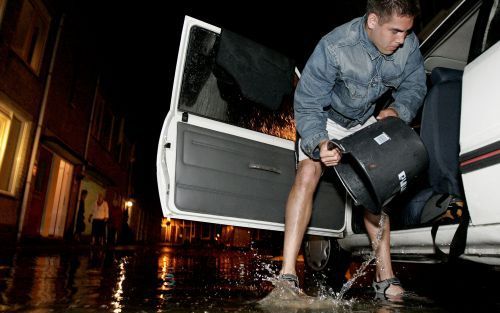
[(388, 34)]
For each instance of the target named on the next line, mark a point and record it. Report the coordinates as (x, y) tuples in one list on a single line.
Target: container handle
[(332, 144)]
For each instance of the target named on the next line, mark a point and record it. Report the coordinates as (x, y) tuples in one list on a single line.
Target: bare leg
[(383, 269), (298, 211)]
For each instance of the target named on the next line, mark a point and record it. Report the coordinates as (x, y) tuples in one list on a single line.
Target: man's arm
[(312, 95), (410, 94)]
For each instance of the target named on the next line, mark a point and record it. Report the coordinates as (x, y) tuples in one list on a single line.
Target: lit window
[(13, 137), (31, 33), (2, 9)]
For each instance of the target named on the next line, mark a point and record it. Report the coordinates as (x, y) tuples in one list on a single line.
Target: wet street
[(178, 279)]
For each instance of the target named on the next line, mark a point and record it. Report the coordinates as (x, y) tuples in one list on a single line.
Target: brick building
[(59, 130)]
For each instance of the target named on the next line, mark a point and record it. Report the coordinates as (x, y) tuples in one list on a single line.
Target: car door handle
[(266, 168)]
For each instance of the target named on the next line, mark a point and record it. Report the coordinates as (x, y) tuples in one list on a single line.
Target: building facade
[(59, 131)]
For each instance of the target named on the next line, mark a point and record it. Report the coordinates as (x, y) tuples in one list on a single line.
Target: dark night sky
[(138, 49), (141, 41), (138, 44)]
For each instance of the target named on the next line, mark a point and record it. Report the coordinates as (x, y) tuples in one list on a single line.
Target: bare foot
[(394, 290)]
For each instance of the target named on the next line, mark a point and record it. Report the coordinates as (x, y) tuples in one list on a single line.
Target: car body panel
[(212, 171), (482, 243), (480, 102)]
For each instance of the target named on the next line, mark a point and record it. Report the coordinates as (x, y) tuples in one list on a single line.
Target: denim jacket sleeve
[(409, 95), (313, 95)]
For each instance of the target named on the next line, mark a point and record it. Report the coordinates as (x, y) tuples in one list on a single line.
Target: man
[(114, 222), (350, 68), (99, 217)]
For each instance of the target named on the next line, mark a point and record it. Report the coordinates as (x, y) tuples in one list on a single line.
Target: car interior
[(438, 123)]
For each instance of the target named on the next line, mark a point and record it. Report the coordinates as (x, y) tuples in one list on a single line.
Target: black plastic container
[(379, 162)]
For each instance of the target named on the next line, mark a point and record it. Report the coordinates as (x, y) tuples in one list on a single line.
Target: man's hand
[(386, 113), (329, 157)]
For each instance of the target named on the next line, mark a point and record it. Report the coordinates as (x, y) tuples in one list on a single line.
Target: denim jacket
[(344, 77)]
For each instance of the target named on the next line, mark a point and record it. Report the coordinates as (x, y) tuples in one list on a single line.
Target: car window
[(486, 32), (492, 28), (432, 14), (207, 91), (453, 35)]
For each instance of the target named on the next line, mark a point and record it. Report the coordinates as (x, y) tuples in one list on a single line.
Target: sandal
[(382, 286), (292, 279)]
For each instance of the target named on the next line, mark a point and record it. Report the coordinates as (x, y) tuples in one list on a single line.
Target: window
[(103, 123), (206, 230), (106, 128), (2, 9), (13, 137), (97, 118), (31, 33), (492, 28), (207, 90), (117, 138), (432, 14), (127, 154)]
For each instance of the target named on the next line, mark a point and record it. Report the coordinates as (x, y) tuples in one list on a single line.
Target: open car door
[(226, 149)]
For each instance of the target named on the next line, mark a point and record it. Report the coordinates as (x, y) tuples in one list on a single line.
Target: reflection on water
[(284, 298), (164, 279), (124, 280), (118, 290)]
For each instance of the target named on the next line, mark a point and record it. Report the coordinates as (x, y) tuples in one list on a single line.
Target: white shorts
[(335, 131)]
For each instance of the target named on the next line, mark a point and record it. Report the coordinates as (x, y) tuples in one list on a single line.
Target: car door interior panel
[(222, 174)]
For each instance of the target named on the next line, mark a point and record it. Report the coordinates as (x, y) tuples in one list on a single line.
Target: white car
[(226, 150)]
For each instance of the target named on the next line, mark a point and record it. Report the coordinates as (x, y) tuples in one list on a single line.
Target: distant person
[(99, 218), (80, 217), (115, 221), (350, 68), (125, 235)]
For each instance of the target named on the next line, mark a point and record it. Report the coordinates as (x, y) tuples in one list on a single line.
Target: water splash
[(359, 272), (285, 297), (362, 269)]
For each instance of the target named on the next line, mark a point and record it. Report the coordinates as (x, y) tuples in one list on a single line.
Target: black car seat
[(440, 130)]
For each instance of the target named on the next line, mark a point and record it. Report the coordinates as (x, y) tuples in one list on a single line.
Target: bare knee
[(308, 175)]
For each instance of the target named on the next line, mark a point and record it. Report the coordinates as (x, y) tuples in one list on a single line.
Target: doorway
[(57, 198)]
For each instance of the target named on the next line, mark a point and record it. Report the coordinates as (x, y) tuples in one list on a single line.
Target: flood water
[(208, 279)]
